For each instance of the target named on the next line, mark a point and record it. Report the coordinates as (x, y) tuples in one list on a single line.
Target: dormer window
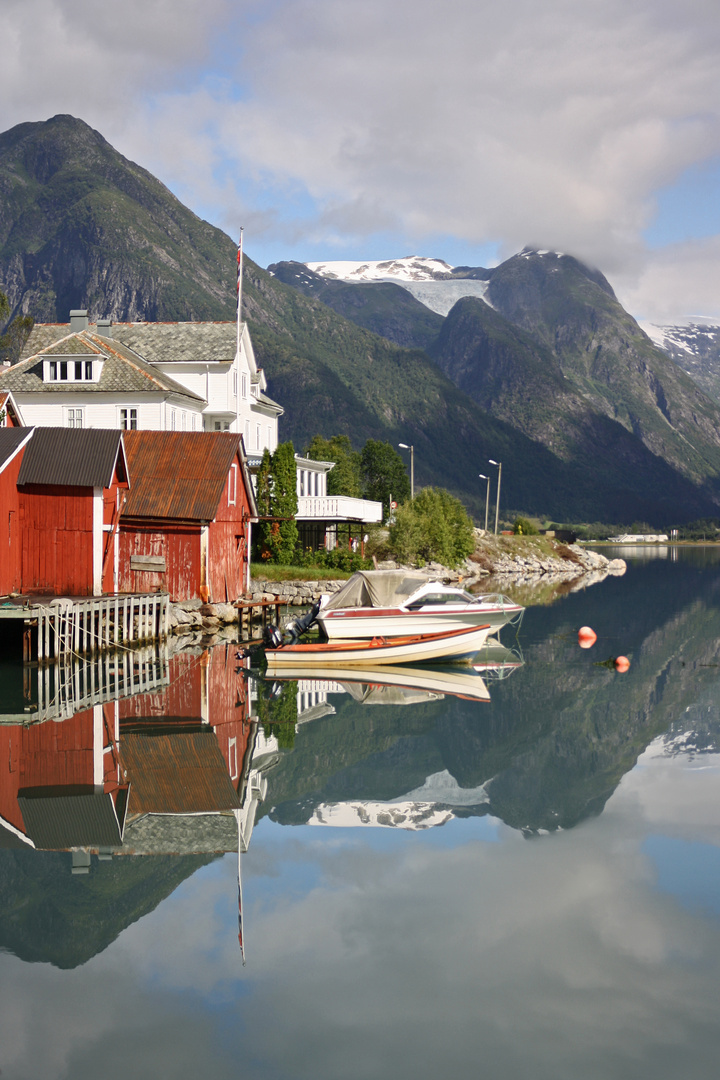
[(72, 369)]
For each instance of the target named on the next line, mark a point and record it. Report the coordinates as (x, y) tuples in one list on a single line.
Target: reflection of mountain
[(553, 743), (49, 915)]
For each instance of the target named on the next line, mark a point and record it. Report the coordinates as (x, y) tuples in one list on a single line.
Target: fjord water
[(563, 921)]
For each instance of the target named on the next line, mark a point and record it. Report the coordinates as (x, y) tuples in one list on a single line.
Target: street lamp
[(497, 504), (487, 496), (404, 446)]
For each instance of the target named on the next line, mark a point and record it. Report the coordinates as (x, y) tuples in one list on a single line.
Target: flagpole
[(239, 314), (241, 934)]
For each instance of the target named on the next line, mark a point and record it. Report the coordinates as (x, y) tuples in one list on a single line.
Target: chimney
[(78, 321), (104, 328)]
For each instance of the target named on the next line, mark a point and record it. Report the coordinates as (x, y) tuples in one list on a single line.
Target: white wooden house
[(184, 376)]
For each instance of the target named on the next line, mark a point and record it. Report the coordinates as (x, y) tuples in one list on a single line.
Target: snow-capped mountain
[(695, 348)]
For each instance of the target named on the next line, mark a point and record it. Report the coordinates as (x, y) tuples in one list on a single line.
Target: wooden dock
[(56, 628), (257, 611)]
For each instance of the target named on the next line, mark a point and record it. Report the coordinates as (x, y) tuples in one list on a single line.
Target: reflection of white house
[(329, 520), (187, 376)]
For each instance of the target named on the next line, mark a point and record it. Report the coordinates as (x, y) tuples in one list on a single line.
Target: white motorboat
[(443, 646), (395, 602)]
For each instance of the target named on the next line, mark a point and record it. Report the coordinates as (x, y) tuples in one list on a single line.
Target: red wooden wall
[(10, 548), (57, 539)]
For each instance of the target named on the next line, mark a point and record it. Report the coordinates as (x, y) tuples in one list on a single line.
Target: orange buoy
[(621, 663), (586, 637)]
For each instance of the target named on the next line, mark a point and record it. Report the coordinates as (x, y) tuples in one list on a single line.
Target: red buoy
[(622, 663), (586, 637)]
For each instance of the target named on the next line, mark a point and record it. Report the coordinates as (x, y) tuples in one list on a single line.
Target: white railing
[(338, 508)]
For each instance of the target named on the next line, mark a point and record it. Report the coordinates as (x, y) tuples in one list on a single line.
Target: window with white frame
[(184, 420), (222, 425), (234, 389), (172, 419), (75, 417), (257, 437), (69, 370), (232, 485), (269, 438), (244, 386), (233, 759), (128, 419)]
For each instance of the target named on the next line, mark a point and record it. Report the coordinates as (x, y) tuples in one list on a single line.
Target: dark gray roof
[(56, 822), (11, 439), (179, 342), (157, 342), (123, 370), (76, 457)]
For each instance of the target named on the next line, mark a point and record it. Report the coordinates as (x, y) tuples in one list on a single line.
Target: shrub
[(433, 527), (524, 527)]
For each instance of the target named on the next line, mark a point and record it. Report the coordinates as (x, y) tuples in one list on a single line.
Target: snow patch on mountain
[(424, 278), (409, 268), (423, 808)]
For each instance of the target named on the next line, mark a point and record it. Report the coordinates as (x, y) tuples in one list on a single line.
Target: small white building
[(329, 520), (184, 376)]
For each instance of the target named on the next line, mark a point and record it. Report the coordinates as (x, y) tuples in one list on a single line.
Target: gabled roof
[(123, 370), (9, 404), (179, 342), (73, 457), (12, 441), (54, 821), (181, 474)]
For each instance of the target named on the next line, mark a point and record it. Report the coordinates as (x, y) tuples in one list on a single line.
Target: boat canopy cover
[(376, 588)]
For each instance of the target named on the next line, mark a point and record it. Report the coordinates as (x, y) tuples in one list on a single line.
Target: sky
[(457, 129)]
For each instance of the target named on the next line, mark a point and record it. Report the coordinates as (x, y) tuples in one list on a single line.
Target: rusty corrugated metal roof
[(179, 474), (176, 774), (75, 457)]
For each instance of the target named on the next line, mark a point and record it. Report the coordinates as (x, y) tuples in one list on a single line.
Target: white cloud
[(329, 120)]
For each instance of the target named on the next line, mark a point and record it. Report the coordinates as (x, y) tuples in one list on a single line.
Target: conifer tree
[(283, 537)]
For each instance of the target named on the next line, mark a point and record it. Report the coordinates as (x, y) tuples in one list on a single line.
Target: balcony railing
[(337, 508)]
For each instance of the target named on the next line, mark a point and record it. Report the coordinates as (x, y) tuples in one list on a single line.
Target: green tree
[(383, 474), (264, 501), (283, 534), (344, 479), (435, 527)]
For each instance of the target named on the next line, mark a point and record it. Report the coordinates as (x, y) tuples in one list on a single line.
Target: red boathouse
[(185, 528)]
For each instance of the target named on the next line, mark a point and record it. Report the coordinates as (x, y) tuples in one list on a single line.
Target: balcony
[(337, 508)]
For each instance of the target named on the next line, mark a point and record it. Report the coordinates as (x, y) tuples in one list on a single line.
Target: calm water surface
[(435, 886)]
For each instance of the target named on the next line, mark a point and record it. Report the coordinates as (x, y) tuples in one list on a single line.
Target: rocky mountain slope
[(554, 379)]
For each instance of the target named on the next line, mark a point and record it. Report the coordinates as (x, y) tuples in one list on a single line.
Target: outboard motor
[(272, 637), (296, 627)]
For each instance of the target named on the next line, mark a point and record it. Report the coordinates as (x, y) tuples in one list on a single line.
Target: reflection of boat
[(393, 602), (495, 661), (448, 645), (396, 684)]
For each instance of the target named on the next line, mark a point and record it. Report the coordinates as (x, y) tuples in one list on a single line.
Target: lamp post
[(404, 446), (497, 503), (487, 496)]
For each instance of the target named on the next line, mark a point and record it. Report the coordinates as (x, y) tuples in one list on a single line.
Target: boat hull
[(446, 646), (349, 624)]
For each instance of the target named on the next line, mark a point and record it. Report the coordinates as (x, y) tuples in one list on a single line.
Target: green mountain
[(83, 227)]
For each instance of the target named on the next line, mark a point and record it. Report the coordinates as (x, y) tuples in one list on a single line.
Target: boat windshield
[(435, 599)]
